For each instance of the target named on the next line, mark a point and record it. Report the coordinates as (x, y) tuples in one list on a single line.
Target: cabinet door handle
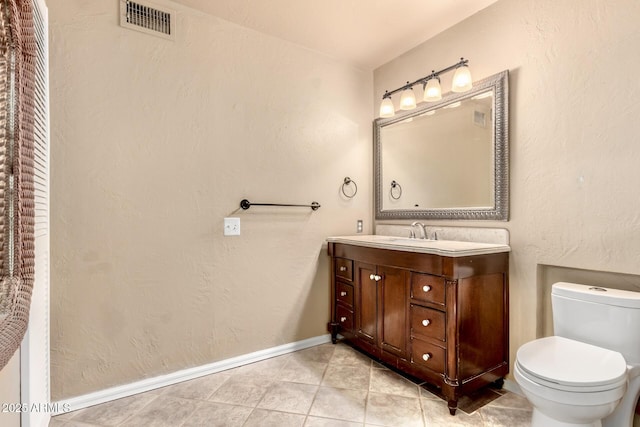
[(375, 277), (343, 319), (343, 268), (426, 357), (343, 294), (426, 288), (426, 322)]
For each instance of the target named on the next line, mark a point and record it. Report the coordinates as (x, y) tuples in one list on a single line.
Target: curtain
[(17, 103)]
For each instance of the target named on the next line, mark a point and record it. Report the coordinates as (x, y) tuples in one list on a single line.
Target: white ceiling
[(367, 33)]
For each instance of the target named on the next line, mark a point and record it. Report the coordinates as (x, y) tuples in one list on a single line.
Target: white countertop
[(449, 248)]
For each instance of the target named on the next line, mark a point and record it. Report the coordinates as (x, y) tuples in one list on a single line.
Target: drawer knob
[(343, 319), (426, 322), (426, 357), (343, 268), (426, 288), (343, 294)]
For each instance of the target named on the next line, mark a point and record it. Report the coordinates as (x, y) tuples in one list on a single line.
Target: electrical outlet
[(232, 226), (359, 226)]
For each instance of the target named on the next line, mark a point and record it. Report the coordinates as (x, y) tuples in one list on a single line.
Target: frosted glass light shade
[(433, 91), (407, 99), (461, 79), (386, 108)]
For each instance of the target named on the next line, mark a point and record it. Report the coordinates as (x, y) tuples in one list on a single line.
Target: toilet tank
[(608, 318)]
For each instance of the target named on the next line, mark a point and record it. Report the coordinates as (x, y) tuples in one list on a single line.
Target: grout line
[(324, 372)]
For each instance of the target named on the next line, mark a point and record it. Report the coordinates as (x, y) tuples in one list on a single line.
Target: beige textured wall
[(574, 132), (153, 143)]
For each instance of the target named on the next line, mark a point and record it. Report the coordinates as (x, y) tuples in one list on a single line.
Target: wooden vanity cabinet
[(441, 319)]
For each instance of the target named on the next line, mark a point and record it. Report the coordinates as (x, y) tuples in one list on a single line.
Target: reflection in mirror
[(450, 157)]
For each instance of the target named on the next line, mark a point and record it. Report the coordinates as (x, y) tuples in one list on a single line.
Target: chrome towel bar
[(245, 204)]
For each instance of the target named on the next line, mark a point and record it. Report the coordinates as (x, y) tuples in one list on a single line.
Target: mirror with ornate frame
[(448, 159)]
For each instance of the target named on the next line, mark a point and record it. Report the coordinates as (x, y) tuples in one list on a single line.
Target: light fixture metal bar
[(425, 79)]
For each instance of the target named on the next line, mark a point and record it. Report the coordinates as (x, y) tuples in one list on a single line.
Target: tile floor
[(328, 385)]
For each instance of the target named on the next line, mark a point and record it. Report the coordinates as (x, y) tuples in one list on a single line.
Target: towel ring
[(346, 182), (394, 185)]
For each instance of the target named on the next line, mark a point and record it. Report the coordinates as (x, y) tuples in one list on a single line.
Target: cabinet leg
[(498, 384), (334, 332), (453, 405)]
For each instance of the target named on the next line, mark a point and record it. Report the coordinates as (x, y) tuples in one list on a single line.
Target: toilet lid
[(566, 362)]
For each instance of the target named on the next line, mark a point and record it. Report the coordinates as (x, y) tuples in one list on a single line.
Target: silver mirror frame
[(500, 211)]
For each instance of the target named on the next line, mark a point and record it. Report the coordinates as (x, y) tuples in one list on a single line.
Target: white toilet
[(588, 374)]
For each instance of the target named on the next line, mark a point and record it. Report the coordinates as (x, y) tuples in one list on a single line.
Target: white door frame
[(35, 348)]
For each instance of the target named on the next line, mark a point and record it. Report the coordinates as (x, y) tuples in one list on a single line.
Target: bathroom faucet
[(421, 227)]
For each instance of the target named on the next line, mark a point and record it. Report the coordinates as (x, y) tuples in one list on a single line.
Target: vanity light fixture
[(386, 108), (431, 84), (461, 79), (407, 99), (432, 90)]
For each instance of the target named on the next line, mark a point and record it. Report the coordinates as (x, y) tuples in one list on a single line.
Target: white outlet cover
[(232, 226)]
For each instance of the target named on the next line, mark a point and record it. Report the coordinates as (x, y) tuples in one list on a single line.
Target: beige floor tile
[(391, 410), (303, 371), (241, 390), (163, 411), (269, 368), (199, 388), (345, 355), (115, 412), (72, 423), (512, 401), (213, 414), (343, 404), (334, 384), (329, 422), (389, 382), (347, 376), (505, 417), (321, 353), (266, 418), (289, 397), (426, 394), (65, 415), (436, 414)]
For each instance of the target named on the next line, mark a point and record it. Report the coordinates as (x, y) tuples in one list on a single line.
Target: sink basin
[(409, 240)]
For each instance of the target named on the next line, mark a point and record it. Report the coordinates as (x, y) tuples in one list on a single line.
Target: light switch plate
[(232, 226)]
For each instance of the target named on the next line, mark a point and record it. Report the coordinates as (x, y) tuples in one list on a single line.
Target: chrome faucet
[(421, 227)]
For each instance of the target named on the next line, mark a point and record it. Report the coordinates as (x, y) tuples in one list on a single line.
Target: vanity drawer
[(428, 356), (344, 268), (344, 317), (427, 323), (427, 288), (344, 293)]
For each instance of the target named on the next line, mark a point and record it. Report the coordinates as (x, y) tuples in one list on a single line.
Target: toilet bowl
[(570, 383), (588, 374)]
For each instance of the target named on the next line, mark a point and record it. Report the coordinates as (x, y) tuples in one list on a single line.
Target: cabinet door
[(366, 307), (394, 293)]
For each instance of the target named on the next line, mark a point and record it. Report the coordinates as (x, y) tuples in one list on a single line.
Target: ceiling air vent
[(145, 17)]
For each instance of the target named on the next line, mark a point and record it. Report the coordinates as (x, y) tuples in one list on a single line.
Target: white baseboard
[(113, 393)]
